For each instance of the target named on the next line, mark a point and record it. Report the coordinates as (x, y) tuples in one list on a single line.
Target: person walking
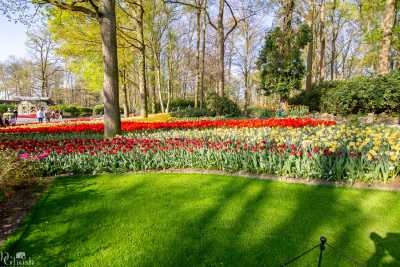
[(40, 115), (15, 117), (48, 115)]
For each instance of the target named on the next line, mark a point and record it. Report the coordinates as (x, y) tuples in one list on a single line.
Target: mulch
[(17, 206)]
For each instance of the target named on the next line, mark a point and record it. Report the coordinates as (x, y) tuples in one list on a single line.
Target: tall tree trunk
[(198, 70), (322, 40), (112, 116), (246, 66), (221, 49), (203, 54), (310, 52), (125, 94), (288, 16), (387, 25), (154, 86), (333, 41), (159, 73), (170, 73), (143, 80)]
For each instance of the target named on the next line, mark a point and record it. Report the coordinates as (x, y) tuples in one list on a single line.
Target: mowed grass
[(157, 219)]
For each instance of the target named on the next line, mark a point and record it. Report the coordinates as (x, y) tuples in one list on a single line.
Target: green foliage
[(83, 54), (16, 173), (359, 95), (58, 107), (220, 106), (280, 61), (190, 113), (4, 107), (260, 112), (72, 110), (84, 111), (293, 111), (180, 103), (98, 109)]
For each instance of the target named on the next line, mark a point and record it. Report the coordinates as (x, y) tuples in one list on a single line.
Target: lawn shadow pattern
[(201, 220)]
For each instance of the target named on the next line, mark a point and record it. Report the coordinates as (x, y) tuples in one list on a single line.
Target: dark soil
[(15, 206)]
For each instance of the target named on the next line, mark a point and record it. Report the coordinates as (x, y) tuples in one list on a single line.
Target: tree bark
[(170, 72), (112, 117), (333, 42), (203, 54), (322, 39), (310, 52), (221, 49), (288, 16), (143, 79), (198, 70), (125, 94), (387, 25), (154, 86), (246, 66)]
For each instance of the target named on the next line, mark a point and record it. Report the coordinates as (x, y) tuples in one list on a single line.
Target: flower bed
[(272, 151), (289, 147), (96, 126)]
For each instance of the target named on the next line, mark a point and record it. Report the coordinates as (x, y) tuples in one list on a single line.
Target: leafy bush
[(261, 112), (5, 107), (298, 111), (16, 173), (179, 104), (98, 109), (85, 111), (72, 110), (280, 61), (294, 111), (58, 107), (359, 95), (190, 113), (220, 106)]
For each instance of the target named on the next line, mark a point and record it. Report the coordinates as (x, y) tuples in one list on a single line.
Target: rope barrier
[(323, 244)]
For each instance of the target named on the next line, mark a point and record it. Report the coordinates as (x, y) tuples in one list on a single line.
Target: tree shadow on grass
[(60, 229), (215, 242), (387, 250), (216, 221)]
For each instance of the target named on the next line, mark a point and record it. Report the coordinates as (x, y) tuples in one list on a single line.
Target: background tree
[(282, 70), (42, 48), (103, 11), (387, 25)]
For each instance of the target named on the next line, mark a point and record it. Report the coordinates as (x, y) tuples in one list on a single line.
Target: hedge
[(376, 94)]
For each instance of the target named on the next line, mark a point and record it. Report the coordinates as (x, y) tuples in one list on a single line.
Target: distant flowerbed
[(26, 116), (127, 126)]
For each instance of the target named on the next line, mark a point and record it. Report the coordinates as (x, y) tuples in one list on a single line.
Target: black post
[(323, 240)]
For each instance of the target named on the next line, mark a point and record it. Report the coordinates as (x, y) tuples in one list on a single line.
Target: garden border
[(393, 186)]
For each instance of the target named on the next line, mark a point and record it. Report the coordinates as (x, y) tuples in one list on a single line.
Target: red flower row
[(133, 126), (34, 149)]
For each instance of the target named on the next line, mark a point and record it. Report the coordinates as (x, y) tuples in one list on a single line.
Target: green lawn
[(207, 220)]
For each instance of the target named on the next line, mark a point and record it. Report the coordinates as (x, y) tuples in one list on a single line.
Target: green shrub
[(190, 113), (16, 173), (260, 112), (85, 111), (98, 109), (58, 107), (359, 95), (179, 104), (220, 106), (5, 107), (72, 110)]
